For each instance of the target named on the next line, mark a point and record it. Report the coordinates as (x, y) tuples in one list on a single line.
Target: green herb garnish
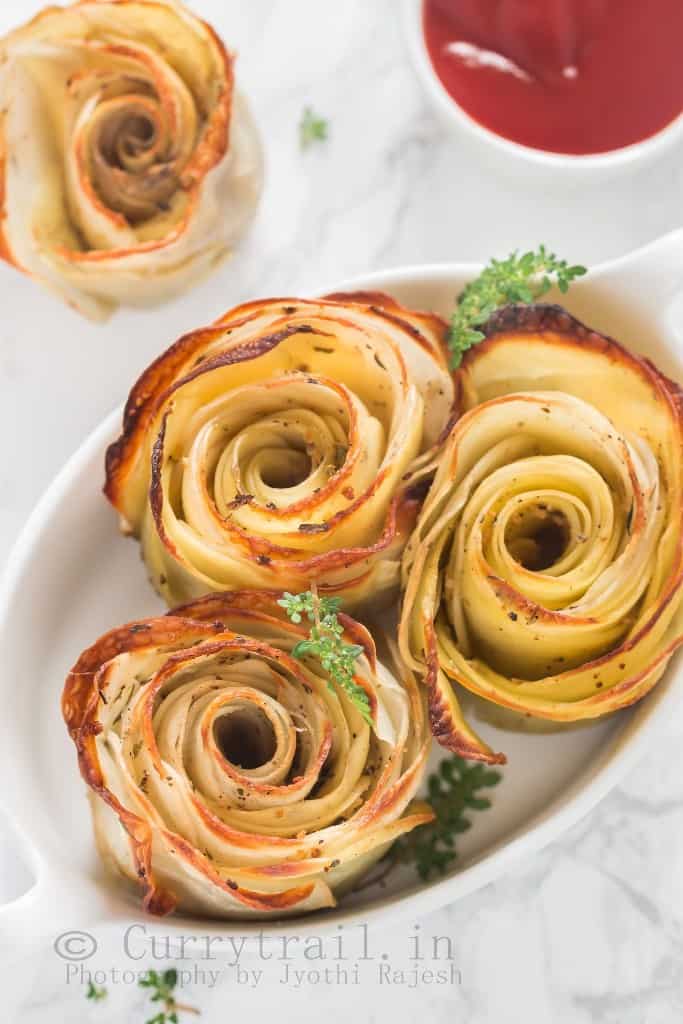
[(452, 790), (312, 128), (162, 985), (517, 279), (95, 992), (326, 643)]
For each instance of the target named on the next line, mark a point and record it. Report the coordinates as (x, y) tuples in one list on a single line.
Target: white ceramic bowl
[(71, 576), (535, 164)]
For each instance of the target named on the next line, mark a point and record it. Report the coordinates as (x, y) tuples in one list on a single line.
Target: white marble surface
[(592, 928)]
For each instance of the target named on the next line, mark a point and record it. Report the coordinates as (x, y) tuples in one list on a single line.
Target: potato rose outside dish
[(228, 779), (270, 450), (128, 164), (545, 571)]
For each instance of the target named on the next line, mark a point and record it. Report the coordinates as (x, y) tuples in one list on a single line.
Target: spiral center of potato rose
[(277, 459), (287, 468), (538, 538), (245, 738), (136, 134), (133, 167)]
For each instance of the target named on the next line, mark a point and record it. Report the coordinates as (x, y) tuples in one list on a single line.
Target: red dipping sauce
[(566, 76)]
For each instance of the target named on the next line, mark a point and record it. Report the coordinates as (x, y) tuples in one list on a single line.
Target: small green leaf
[(95, 992), (477, 803), (304, 647), (312, 128)]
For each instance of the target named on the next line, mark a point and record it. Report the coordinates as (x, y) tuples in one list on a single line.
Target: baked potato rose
[(269, 450), (227, 777), (128, 164), (545, 570)]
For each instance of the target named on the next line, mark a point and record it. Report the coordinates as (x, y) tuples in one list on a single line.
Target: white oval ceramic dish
[(71, 576), (553, 167)]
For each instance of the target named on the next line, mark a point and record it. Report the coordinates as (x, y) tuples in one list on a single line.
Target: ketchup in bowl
[(566, 76)]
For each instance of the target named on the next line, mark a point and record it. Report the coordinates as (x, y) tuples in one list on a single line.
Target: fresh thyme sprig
[(519, 278), (95, 992), (162, 986), (326, 643), (312, 128), (452, 790)]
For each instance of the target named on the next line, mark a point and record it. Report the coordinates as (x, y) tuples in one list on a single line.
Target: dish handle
[(59, 909), (649, 277)]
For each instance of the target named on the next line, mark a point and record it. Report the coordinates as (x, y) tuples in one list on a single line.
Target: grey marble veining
[(590, 929)]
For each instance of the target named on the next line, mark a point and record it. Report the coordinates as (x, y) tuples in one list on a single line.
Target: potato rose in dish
[(229, 778), (269, 450), (128, 165), (545, 570)]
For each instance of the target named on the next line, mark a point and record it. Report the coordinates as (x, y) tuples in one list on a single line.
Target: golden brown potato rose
[(128, 164), (227, 778), (545, 571), (269, 450)]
